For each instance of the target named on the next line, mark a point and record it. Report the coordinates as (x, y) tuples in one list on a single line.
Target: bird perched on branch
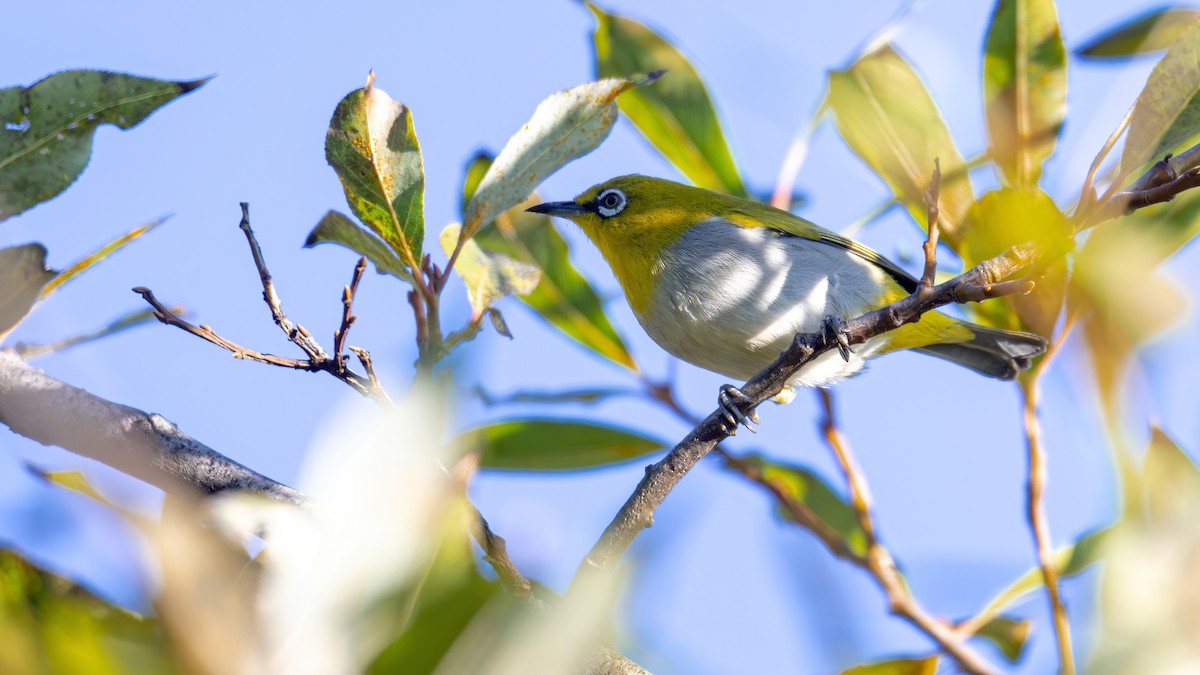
[(725, 283)]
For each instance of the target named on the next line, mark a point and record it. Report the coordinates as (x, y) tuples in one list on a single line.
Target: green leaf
[(122, 323), (563, 296), (809, 489), (887, 117), (580, 396), (85, 263), (1151, 31), (1024, 87), (476, 169), (676, 115), (337, 228), (1068, 560), (71, 480), (552, 444), (566, 125), (488, 275), (23, 273), (46, 129), (1172, 480), (923, 666), (1008, 634), (1167, 111), (372, 146)]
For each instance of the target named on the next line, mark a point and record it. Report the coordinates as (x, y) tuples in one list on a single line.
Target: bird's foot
[(731, 400), (835, 330)]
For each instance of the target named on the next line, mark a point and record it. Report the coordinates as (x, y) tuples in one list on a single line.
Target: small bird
[(725, 283)]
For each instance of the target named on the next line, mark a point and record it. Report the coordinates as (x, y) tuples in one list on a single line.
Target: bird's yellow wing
[(761, 215)]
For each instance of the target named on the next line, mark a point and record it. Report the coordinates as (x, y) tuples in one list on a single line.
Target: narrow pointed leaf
[(545, 444), (23, 273), (373, 147), (476, 169), (676, 115), (72, 480), (337, 228), (1172, 480), (809, 489), (918, 666), (1145, 33), (1024, 87), (46, 129), (85, 263), (566, 125), (887, 117), (125, 322), (576, 396), (1068, 560), (1167, 111), (488, 275), (563, 296)]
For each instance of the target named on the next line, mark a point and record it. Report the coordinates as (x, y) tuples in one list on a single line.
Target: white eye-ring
[(610, 202)]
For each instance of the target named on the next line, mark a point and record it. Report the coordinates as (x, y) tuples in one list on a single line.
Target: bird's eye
[(610, 202)]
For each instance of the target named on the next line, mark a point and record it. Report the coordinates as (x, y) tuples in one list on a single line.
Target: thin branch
[(144, 445), (348, 318), (1039, 525), (879, 561), (1087, 193), (931, 217)]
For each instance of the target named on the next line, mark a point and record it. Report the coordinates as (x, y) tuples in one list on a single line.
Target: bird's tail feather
[(992, 352)]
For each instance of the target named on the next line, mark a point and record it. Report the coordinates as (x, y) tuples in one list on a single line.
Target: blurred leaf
[(476, 169), (811, 490), (1068, 560), (563, 297), (1150, 31), (337, 228), (488, 275), (1024, 87), (925, 666), (1167, 111), (566, 125), (47, 128), (676, 115), (553, 444), (1172, 480), (499, 323), (23, 273), (85, 263), (586, 396), (372, 146), (887, 117), (71, 480), (1008, 634), (124, 322), (48, 624)]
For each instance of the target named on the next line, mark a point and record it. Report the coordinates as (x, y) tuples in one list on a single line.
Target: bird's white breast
[(730, 299)]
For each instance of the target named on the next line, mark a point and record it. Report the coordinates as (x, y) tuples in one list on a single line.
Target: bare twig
[(1039, 525), (931, 216), (348, 318), (879, 561)]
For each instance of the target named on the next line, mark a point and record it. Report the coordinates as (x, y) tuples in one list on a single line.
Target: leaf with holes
[(676, 115), (373, 147), (46, 129)]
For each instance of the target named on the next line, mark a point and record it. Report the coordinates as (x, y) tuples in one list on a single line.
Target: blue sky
[(721, 585)]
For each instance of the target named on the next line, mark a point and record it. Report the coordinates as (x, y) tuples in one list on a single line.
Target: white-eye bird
[(725, 283)]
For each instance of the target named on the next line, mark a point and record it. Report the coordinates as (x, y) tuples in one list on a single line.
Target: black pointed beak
[(565, 209)]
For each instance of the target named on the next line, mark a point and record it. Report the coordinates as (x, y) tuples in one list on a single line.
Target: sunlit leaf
[(488, 275), (372, 146), (71, 480), (1150, 31), (1068, 560), (1008, 634), (566, 125), (85, 263), (1172, 480), (23, 273), (46, 129), (915, 666), (475, 171), (563, 296), (676, 115), (337, 228), (1167, 112), (887, 117), (809, 489), (1024, 87), (541, 444)]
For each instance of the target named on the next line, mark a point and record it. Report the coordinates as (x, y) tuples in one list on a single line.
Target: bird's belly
[(733, 308)]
